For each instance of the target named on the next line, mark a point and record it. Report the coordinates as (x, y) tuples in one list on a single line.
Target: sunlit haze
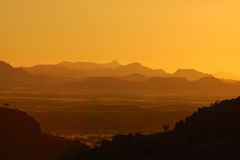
[(119, 79), (168, 34)]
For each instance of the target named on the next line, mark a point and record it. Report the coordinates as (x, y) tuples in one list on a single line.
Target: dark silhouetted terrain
[(21, 138), (92, 101), (210, 133)]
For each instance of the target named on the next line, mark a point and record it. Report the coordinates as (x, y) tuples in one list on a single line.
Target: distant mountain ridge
[(16, 76), (190, 74), (152, 86), (89, 65), (9, 72), (83, 70), (133, 78)]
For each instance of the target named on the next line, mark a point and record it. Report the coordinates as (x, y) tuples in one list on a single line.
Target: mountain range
[(152, 86), (109, 78), (83, 70)]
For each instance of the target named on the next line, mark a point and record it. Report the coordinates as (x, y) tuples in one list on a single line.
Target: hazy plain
[(94, 117)]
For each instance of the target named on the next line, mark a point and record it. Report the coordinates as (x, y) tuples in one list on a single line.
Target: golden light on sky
[(166, 34)]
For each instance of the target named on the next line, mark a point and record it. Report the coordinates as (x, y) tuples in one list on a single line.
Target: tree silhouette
[(6, 104), (166, 127)]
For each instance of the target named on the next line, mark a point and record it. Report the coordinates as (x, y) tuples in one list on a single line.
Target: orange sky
[(166, 34)]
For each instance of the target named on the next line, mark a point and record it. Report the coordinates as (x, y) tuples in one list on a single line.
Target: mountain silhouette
[(135, 77), (89, 65), (125, 79), (210, 80), (157, 85), (190, 74), (16, 76), (138, 68), (21, 138), (81, 70), (88, 69), (78, 70), (58, 71), (221, 120), (9, 72)]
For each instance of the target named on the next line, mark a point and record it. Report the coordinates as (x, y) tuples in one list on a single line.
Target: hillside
[(17, 76), (221, 120), (21, 138), (210, 133)]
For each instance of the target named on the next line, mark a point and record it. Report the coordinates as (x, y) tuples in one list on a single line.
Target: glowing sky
[(168, 34)]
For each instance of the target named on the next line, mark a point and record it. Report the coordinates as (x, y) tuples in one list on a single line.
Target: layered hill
[(11, 76), (190, 74), (83, 70), (112, 78), (136, 84), (90, 65), (135, 77)]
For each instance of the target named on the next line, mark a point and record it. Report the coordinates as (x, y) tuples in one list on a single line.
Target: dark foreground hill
[(210, 133), (22, 139)]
